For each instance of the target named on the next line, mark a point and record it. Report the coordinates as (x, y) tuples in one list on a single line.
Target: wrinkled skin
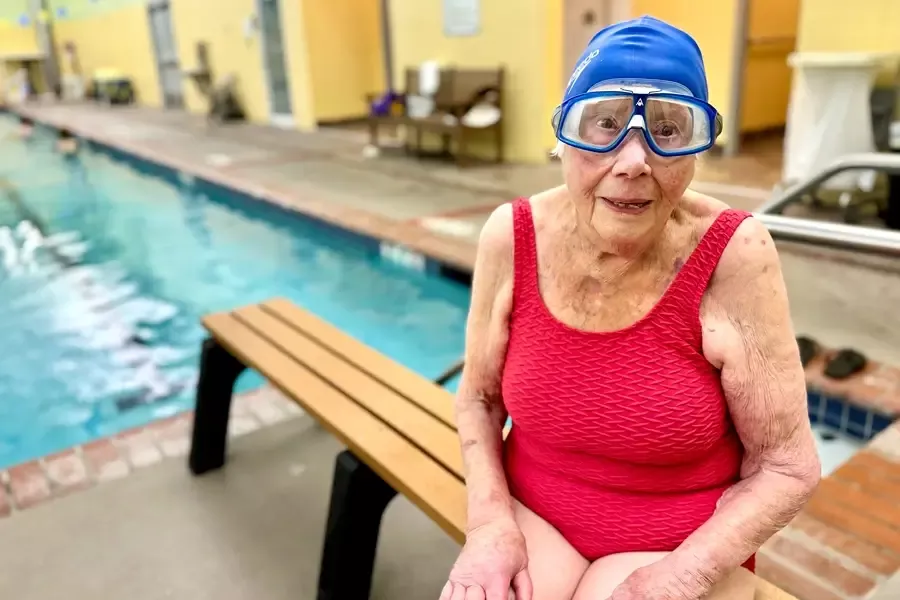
[(491, 566)]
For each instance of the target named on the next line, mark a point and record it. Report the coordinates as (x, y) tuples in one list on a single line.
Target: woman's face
[(628, 194)]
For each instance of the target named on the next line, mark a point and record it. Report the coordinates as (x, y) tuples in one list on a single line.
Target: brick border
[(845, 544), (32, 483)]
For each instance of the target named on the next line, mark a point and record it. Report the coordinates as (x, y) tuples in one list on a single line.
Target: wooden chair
[(458, 90)]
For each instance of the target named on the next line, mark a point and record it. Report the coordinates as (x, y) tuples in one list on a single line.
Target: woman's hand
[(658, 582), (492, 563)]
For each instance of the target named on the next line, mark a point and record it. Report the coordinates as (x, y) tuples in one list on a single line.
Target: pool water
[(107, 265)]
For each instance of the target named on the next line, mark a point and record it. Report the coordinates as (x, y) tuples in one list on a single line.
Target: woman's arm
[(747, 333), (480, 413)]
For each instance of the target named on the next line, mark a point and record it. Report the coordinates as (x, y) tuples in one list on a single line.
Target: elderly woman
[(638, 334)]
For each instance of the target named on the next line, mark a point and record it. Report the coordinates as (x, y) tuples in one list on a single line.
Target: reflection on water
[(99, 339), (105, 273)]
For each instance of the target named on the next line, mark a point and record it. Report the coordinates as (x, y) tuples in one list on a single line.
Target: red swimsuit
[(621, 440)]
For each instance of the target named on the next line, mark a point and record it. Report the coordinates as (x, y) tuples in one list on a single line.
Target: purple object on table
[(381, 107)]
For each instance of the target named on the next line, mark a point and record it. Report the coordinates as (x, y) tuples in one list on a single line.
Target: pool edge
[(77, 468), (444, 255)]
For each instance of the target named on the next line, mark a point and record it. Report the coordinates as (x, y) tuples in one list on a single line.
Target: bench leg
[(218, 372), (358, 499)]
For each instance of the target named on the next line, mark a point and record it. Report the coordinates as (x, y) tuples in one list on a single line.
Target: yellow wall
[(514, 34), (553, 68), (866, 26), (346, 55), (113, 34), (771, 33), (712, 24), (14, 38), (221, 24), (839, 26)]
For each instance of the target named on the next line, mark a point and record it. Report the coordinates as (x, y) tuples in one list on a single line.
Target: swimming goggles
[(673, 122)]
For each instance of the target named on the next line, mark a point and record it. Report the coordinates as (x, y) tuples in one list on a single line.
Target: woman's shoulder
[(703, 211), (495, 242), (498, 231), (750, 249)]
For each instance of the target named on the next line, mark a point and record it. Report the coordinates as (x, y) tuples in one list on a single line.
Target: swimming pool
[(99, 315), (99, 312)]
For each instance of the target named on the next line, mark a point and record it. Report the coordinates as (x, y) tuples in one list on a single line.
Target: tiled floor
[(437, 209)]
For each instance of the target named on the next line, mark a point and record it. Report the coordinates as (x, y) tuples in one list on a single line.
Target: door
[(167, 63), (771, 37), (581, 20), (274, 62)]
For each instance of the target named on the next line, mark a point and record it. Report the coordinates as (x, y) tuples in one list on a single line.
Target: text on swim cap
[(582, 67)]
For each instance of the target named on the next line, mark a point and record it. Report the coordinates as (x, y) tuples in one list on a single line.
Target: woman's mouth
[(629, 206)]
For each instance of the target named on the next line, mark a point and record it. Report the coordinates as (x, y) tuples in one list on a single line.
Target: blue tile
[(857, 432), (879, 422), (813, 397), (815, 406), (857, 416), (834, 412)]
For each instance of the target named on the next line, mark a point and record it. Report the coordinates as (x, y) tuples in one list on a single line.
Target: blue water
[(99, 315)]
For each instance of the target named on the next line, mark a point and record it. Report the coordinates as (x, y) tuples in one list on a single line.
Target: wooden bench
[(457, 91), (398, 428)]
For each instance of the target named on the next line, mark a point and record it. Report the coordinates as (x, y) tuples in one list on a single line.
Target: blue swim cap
[(642, 49)]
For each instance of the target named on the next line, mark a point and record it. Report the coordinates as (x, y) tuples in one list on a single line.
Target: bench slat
[(434, 437), (767, 591), (436, 491), (418, 389)]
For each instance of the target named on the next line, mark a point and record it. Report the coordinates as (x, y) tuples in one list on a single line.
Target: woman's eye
[(666, 130), (606, 123)]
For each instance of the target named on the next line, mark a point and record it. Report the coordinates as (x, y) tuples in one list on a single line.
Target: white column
[(829, 114)]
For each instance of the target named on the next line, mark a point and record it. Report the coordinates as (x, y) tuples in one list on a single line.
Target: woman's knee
[(554, 565), (605, 574), (740, 585)]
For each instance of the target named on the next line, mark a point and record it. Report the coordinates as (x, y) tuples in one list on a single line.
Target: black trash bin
[(882, 102), (891, 214)]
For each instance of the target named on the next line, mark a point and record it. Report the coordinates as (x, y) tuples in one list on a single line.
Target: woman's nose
[(631, 159)]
